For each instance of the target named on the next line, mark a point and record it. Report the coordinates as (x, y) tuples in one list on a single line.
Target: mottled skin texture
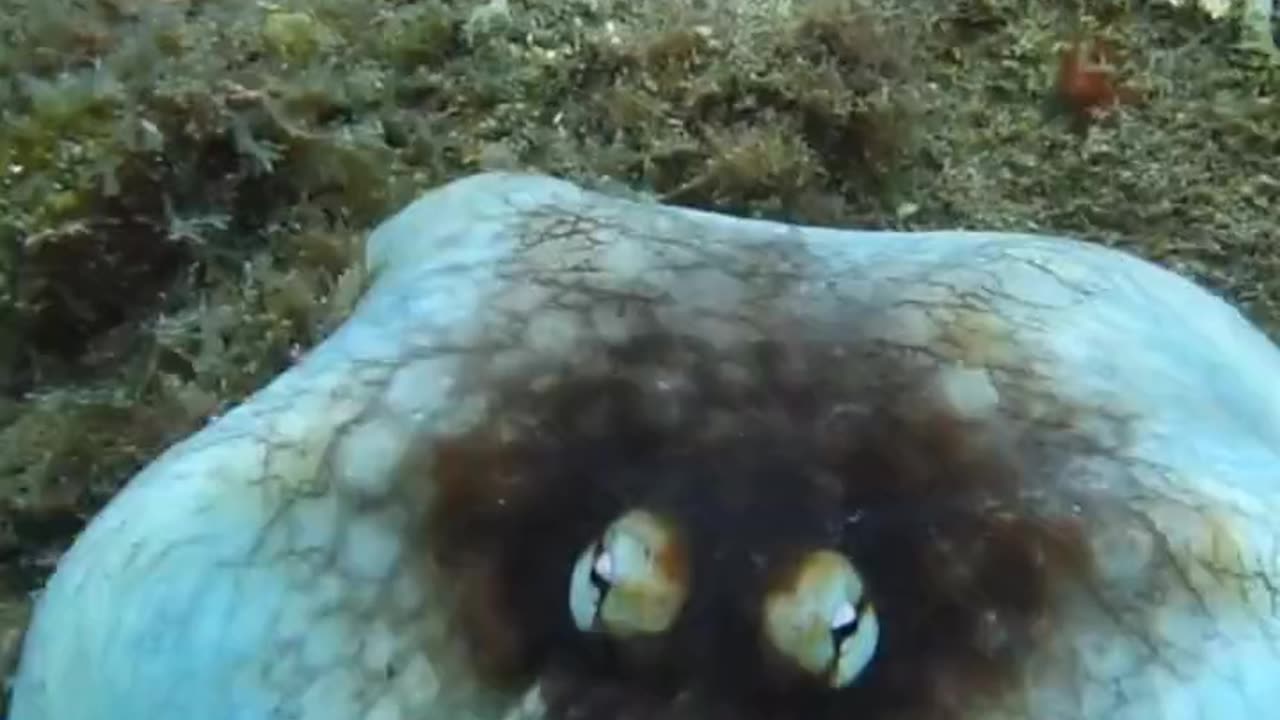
[(267, 567)]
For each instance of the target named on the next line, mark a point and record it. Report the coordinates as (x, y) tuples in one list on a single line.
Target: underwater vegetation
[(184, 185)]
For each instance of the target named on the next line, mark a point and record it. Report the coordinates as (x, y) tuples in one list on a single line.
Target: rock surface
[(266, 567)]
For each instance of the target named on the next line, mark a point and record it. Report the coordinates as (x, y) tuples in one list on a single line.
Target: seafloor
[(185, 184)]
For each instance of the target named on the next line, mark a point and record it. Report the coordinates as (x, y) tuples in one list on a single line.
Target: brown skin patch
[(672, 560), (759, 454), (786, 577)]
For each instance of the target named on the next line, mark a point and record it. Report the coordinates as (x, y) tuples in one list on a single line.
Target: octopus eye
[(821, 621), (632, 581)]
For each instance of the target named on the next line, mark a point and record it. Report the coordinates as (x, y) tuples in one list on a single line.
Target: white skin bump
[(266, 566)]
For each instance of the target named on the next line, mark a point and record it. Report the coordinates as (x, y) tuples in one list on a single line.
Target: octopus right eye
[(634, 580)]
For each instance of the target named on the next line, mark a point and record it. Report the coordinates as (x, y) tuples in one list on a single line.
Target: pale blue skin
[(236, 579)]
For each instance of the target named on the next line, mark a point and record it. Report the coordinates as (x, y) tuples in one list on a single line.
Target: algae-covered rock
[(273, 564), (295, 36)]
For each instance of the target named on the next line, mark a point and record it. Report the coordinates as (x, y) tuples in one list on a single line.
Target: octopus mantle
[(267, 567)]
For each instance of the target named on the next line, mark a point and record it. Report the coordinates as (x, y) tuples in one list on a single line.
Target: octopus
[(580, 456)]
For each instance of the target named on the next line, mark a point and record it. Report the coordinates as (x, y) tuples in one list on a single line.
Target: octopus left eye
[(633, 581), (822, 621)]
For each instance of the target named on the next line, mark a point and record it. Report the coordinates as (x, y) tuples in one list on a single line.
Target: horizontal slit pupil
[(595, 578)]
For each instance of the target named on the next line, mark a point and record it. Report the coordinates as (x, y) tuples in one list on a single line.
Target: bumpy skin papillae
[(264, 568)]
